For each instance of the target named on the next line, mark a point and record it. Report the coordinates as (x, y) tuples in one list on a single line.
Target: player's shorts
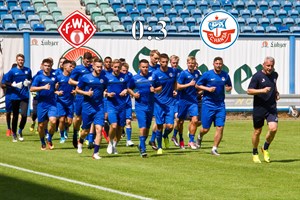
[(105, 104), (45, 111), (216, 115), (116, 116), (92, 115), (78, 105), (164, 114), (199, 110), (129, 112), (184, 109), (144, 117), (176, 106), (8, 104), (65, 110), (260, 114)]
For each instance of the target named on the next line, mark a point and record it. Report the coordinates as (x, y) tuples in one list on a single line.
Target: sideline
[(76, 182)]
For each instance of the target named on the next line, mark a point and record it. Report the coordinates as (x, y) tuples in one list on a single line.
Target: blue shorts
[(65, 110), (105, 104), (78, 105), (144, 117), (164, 114), (92, 115), (184, 109), (260, 114), (45, 111), (176, 106), (129, 112), (216, 115), (116, 116), (8, 105)]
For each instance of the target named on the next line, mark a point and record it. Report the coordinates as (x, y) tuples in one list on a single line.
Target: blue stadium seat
[(270, 13), (118, 28), (227, 5), (234, 12), (10, 27), (199, 20), (297, 21), (283, 29), (165, 4), (128, 4), (274, 5), (239, 5), (166, 19), (190, 4), (202, 4), (196, 13), (281, 13), (115, 4), (183, 13), (296, 5), (252, 21), (160, 12), (171, 29), (141, 4), (206, 11), (215, 5), (128, 28), (293, 13), (24, 27), (246, 29), (195, 29), (177, 21), (139, 19), (121, 12), (134, 12), (54, 11), (1, 27), (257, 13), (288, 22), (11, 3), (47, 19), (264, 22), (271, 29), (42, 11), (190, 21), (178, 4), (250, 5), (286, 5), (245, 13), (24, 3), (6, 18), (183, 29), (153, 4), (3, 10), (29, 11), (20, 19), (38, 27), (2, 3), (258, 29), (263, 5), (156, 28), (113, 20), (146, 12), (276, 22), (33, 19), (171, 13), (15, 10), (241, 21), (103, 4), (152, 21), (37, 3), (295, 29)]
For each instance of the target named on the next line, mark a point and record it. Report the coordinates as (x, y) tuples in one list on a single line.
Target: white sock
[(214, 148)]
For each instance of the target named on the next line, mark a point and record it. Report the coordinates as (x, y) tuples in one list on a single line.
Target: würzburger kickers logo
[(219, 30), (77, 29)]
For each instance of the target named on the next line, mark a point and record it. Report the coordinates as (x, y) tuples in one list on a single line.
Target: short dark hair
[(87, 55), (66, 62), (47, 60), (164, 55), (107, 57), (97, 60), (218, 58), (143, 61)]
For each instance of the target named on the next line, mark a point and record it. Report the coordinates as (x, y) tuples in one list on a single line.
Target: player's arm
[(136, 95), (205, 88), (183, 86), (39, 88), (73, 82), (252, 91), (86, 93)]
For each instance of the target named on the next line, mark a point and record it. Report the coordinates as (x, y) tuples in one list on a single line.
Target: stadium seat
[(105, 28), (270, 13), (146, 12), (271, 29), (1, 27), (38, 27), (263, 5), (295, 29), (24, 3), (113, 20), (202, 4), (24, 27), (250, 5), (183, 29), (37, 3), (128, 28), (42, 11), (258, 29), (190, 4), (245, 13), (297, 21), (241, 21), (152, 21), (118, 28), (108, 12), (171, 29), (195, 29), (58, 19), (29, 11), (183, 13), (95, 12), (288, 22), (54, 11), (178, 4), (227, 5), (196, 13), (121, 12), (286, 5), (165, 4), (139, 19), (206, 11), (239, 5), (281, 13), (234, 12), (3, 10), (159, 12), (99, 20), (276, 22), (51, 4), (264, 22), (296, 5), (190, 21), (171, 13), (153, 4), (141, 4), (126, 20), (6, 18), (10, 27), (257, 13), (165, 19), (2, 3), (10, 3), (20, 19), (252, 21), (33, 19), (274, 5), (156, 28), (88, 5), (128, 4), (293, 13), (103, 4), (246, 29), (15, 10), (115, 4), (47, 19), (215, 5), (134, 12), (199, 20), (177, 21), (51, 27), (283, 29)]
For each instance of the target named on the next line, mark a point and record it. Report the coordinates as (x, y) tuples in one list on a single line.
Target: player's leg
[(160, 120), (42, 123), (88, 116), (24, 109), (16, 107), (176, 121), (77, 119), (112, 117), (99, 123), (206, 122), (33, 114), (61, 115), (219, 123), (8, 109), (143, 122), (193, 113), (169, 121)]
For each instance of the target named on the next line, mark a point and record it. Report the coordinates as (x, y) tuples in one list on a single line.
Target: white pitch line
[(76, 182)]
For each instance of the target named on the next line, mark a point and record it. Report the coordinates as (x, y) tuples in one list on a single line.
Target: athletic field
[(26, 172)]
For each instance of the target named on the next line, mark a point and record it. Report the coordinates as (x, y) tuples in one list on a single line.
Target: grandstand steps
[(69, 6)]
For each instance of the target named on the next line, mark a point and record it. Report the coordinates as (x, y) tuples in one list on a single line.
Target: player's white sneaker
[(109, 149), (96, 156), (129, 143), (79, 148)]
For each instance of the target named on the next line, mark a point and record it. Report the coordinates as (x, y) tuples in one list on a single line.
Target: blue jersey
[(78, 72), (117, 84), (142, 85), (189, 94), (63, 85), (47, 96), (59, 71), (211, 79), (8, 88), (53, 72), (128, 100), (98, 84), (19, 75), (167, 80), (107, 71), (153, 68)]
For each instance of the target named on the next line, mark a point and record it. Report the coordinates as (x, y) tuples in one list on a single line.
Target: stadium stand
[(258, 29)]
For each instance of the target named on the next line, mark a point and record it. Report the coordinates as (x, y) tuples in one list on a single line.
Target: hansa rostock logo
[(219, 29), (77, 29)]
